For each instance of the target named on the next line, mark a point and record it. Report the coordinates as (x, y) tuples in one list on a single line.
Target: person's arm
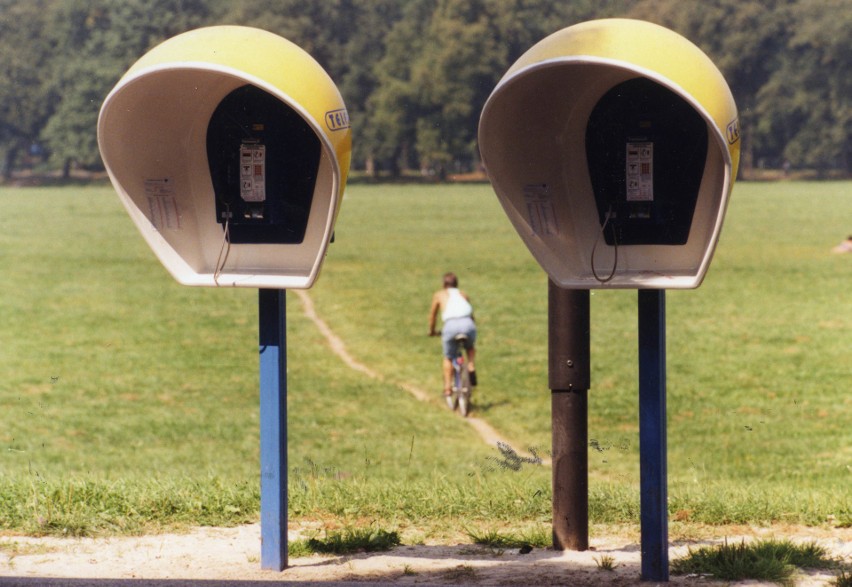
[(464, 295), (433, 314)]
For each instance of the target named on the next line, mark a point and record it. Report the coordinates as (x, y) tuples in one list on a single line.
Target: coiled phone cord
[(595, 246), (225, 250)]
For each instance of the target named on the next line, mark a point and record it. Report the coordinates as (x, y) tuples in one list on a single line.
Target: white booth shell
[(152, 133), (532, 139)]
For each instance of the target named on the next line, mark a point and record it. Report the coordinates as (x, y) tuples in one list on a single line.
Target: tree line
[(415, 73)]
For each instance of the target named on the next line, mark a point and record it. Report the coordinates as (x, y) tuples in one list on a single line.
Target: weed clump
[(346, 541), (534, 538), (765, 560), (606, 562)]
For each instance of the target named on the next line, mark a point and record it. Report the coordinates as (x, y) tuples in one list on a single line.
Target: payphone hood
[(152, 133), (654, 52), (533, 134), (276, 64)]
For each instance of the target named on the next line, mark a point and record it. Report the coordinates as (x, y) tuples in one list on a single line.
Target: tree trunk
[(9, 162), (66, 168)]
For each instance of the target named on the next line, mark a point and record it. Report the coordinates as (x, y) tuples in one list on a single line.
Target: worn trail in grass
[(487, 432)]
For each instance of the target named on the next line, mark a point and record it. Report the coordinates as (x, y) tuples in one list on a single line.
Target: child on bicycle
[(457, 317)]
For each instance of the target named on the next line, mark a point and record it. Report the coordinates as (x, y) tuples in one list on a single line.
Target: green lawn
[(759, 375), (130, 402)]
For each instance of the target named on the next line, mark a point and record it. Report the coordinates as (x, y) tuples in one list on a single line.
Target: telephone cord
[(595, 246), (225, 249)]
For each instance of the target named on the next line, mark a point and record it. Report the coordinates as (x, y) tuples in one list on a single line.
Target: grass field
[(130, 402)]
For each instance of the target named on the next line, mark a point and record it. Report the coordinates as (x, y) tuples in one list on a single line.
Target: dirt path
[(488, 434)]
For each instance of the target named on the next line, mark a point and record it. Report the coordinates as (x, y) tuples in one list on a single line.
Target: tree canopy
[(416, 73)]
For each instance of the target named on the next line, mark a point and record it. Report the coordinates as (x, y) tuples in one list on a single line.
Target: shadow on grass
[(485, 407)]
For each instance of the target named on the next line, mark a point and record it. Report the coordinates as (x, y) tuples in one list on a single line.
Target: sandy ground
[(213, 557)]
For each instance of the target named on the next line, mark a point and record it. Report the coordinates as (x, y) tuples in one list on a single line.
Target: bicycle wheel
[(464, 391), (453, 398)]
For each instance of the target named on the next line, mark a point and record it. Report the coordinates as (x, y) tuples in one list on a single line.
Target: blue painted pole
[(652, 435), (273, 429)]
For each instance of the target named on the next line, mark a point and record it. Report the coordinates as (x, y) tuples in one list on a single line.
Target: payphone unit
[(646, 149), (613, 146), (229, 147), (263, 160)]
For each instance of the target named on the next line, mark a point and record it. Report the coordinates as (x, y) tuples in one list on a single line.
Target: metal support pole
[(273, 429), (569, 381), (652, 435)]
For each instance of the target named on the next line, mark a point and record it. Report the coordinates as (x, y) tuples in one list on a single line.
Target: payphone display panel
[(646, 148), (263, 160)]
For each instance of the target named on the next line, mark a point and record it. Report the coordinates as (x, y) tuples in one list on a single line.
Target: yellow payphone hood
[(273, 63), (152, 133), (532, 138), (652, 51)]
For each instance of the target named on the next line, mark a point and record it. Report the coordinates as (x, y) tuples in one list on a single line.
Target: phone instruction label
[(640, 171), (540, 210), (162, 205), (253, 172)]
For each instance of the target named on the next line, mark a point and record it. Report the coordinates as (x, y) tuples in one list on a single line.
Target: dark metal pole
[(273, 429), (569, 381), (652, 435)]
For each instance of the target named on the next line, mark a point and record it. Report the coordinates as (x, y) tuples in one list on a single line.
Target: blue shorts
[(453, 327)]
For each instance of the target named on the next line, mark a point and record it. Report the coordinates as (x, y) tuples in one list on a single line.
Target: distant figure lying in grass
[(844, 247)]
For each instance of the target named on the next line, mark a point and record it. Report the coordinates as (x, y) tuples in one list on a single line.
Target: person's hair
[(450, 280)]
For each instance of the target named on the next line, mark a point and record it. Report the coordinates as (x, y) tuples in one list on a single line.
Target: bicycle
[(461, 385)]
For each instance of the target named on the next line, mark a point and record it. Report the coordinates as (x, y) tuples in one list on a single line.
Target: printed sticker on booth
[(253, 172), (540, 211), (162, 206), (640, 172), (337, 119), (733, 131)]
